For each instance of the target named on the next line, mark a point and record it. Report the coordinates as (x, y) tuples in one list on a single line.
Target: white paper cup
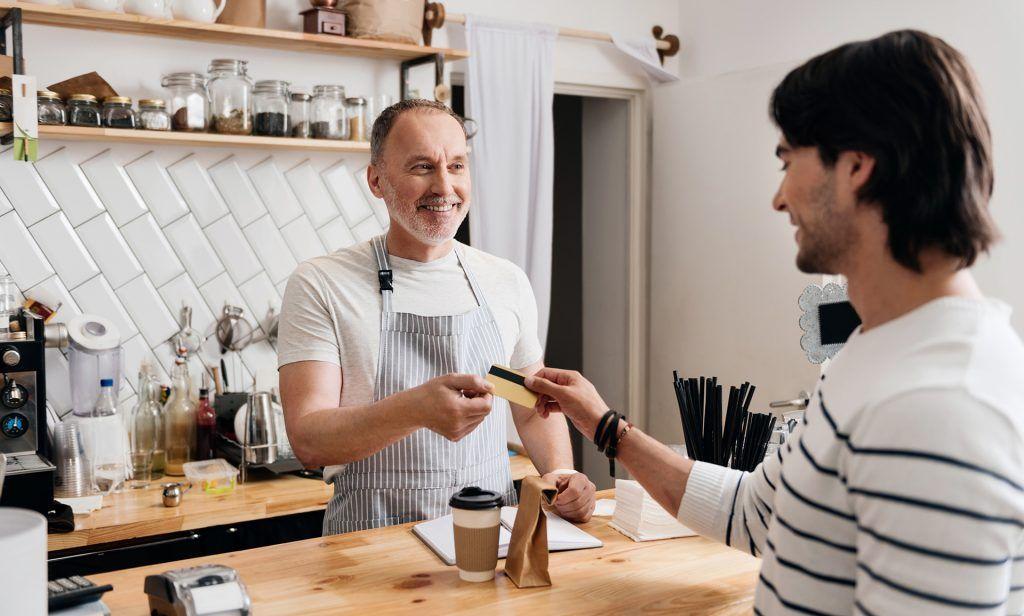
[(23, 546), (476, 515)]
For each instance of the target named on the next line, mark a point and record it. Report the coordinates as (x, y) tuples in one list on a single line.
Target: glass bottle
[(83, 110), (179, 419), (230, 97), (153, 115), (355, 112), (299, 113), (144, 430), (329, 113), (270, 107), (189, 104), (50, 108), (118, 112), (374, 107), (6, 105), (206, 425)]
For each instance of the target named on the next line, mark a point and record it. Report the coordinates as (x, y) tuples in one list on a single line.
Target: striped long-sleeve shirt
[(903, 490)]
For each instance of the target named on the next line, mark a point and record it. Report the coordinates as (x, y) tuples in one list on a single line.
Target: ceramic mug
[(50, 2), (110, 6), (202, 11), (148, 8)]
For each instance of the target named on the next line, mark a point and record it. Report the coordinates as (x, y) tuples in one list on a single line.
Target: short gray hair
[(386, 120)]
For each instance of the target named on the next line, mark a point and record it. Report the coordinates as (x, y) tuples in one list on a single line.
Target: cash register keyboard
[(75, 590)]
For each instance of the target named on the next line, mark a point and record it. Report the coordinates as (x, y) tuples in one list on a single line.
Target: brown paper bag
[(89, 83), (251, 13), (399, 21), (527, 561)]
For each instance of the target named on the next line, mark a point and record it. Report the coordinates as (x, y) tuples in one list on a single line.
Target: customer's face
[(822, 216), (424, 175)]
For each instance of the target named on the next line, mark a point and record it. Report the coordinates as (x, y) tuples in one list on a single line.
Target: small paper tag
[(26, 118)]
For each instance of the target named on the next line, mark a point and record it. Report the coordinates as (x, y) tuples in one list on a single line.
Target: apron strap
[(473, 284), (385, 276)]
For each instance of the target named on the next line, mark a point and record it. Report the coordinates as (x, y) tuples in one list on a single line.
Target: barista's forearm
[(546, 440), (661, 471), (350, 433)]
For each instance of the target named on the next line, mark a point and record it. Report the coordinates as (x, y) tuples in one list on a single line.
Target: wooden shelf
[(221, 33), (79, 133)]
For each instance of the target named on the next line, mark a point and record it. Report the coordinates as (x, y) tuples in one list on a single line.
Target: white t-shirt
[(332, 306), (902, 492)]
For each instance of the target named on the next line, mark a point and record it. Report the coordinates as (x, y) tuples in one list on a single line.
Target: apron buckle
[(385, 278)]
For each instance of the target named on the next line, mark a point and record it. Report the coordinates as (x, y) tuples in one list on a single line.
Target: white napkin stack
[(640, 517)]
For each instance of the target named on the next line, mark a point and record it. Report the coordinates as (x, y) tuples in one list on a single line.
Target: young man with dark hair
[(902, 492)]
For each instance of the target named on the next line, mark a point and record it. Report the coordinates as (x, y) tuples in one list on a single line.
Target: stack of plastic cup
[(74, 470)]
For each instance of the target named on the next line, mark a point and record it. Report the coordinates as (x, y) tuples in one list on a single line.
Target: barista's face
[(424, 178), (822, 214)]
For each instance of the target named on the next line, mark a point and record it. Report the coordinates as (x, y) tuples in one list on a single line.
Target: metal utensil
[(260, 430), (173, 492), (188, 338), (233, 332)]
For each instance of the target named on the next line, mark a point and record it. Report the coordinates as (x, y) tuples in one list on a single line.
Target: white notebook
[(439, 535)]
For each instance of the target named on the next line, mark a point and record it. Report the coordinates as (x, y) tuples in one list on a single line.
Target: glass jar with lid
[(355, 112), (83, 110), (188, 102), (118, 112), (299, 115), (50, 108), (270, 108), (328, 112), (153, 114), (6, 105), (230, 92)]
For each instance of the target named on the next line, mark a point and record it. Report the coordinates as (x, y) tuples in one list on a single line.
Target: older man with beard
[(383, 347)]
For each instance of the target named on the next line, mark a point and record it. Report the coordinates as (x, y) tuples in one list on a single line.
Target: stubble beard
[(826, 236), (405, 214)]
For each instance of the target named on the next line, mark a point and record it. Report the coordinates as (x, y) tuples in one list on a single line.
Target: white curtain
[(510, 89)]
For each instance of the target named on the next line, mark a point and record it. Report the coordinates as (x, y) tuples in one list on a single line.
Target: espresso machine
[(23, 432)]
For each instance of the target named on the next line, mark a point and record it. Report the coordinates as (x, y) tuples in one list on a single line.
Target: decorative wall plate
[(811, 301)]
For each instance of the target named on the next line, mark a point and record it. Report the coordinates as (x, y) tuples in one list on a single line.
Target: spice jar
[(118, 112), (355, 111), (299, 113), (153, 115), (230, 97), (83, 110), (50, 109), (328, 113), (6, 105), (188, 103), (270, 108)]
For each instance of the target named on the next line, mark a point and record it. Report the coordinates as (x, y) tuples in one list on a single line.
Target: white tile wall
[(131, 235), (376, 203)]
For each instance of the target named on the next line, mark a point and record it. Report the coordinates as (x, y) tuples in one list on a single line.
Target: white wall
[(714, 166)]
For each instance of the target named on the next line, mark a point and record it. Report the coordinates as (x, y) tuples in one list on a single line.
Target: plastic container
[(212, 476)]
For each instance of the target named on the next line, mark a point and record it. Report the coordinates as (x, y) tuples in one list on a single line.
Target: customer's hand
[(452, 405), (567, 392), (575, 501)]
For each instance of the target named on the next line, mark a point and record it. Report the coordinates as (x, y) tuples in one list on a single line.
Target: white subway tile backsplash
[(58, 381), (157, 189), (336, 235), (134, 350), (64, 249), (271, 247), (115, 190), (274, 190), (96, 297), (261, 358), (237, 191), (281, 286), (182, 292), (5, 204), (69, 187), (194, 249), (342, 186), (312, 194), (380, 209), (230, 245), (23, 186), (261, 295), (152, 249), (149, 312), (107, 246), (302, 239), (220, 292), (367, 229), (54, 294), (20, 254), (203, 199)]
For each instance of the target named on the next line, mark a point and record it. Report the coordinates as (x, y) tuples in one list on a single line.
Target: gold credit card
[(509, 384)]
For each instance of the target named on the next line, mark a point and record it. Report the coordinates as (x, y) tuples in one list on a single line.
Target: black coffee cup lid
[(472, 497)]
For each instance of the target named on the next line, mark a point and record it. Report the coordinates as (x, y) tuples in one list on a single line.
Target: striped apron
[(412, 479)]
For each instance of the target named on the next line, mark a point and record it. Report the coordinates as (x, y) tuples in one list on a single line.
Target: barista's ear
[(373, 180)]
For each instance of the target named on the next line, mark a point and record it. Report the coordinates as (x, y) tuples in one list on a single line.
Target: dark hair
[(911, 102), (386, 120)]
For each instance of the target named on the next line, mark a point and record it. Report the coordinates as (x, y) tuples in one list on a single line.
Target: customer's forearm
[(661, 471), (349, 433), (546, 440)]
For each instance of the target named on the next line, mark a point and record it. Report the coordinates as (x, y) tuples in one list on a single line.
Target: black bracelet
[(606, 437)]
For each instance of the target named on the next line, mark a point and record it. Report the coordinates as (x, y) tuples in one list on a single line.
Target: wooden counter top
[(390, 571), (134, 514)]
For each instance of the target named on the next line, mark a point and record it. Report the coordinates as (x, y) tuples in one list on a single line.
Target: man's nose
[(778, 203), (442, 182)]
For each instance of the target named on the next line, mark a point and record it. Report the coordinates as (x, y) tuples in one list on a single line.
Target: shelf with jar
[(108, 21)]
